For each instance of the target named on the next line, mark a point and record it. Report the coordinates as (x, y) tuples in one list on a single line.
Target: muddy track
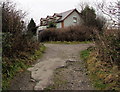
[(41, 74)]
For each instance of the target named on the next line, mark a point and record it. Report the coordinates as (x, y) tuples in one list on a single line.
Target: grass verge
[(103, 75), (85, 53), (18, 66), (68, 42)]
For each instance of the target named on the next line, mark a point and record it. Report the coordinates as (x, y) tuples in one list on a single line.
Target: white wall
[(38, 29), (59, 25), (69, 20)]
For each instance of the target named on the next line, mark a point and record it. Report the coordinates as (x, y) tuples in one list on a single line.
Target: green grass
[(99, 84), (85, 53), (14, 69), (38, 53), (19, 65), (99, 73), (68, 42), (94, 79)]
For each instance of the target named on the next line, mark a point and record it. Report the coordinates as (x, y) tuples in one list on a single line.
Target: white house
[(64, 19)]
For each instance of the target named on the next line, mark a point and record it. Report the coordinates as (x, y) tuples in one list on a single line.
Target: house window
[(75, 19)]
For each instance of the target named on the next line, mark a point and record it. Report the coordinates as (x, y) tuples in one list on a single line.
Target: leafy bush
[(51, 24), (72, 33)]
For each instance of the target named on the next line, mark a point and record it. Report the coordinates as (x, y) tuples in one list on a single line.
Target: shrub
[(51, 24), (72, 33), (14, 41), (108, 46), (15, 44)]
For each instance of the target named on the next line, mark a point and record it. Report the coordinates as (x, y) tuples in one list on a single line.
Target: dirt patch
[(22, 81), (73, 76)]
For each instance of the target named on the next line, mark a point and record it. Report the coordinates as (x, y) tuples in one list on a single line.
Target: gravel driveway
[(54, 57)]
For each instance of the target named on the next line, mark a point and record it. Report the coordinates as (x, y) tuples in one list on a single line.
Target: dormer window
[(58, 17), (74, 19)]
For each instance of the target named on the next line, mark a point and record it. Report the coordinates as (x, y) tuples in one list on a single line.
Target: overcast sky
[(37, 9)]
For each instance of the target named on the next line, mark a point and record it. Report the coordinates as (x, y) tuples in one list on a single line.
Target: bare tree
[(82, 5), (112, 11)]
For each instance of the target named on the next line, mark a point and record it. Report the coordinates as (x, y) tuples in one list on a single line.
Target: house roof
[(62, 15), (49, 17), (56, 15), (43, 19), (66, 14)]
